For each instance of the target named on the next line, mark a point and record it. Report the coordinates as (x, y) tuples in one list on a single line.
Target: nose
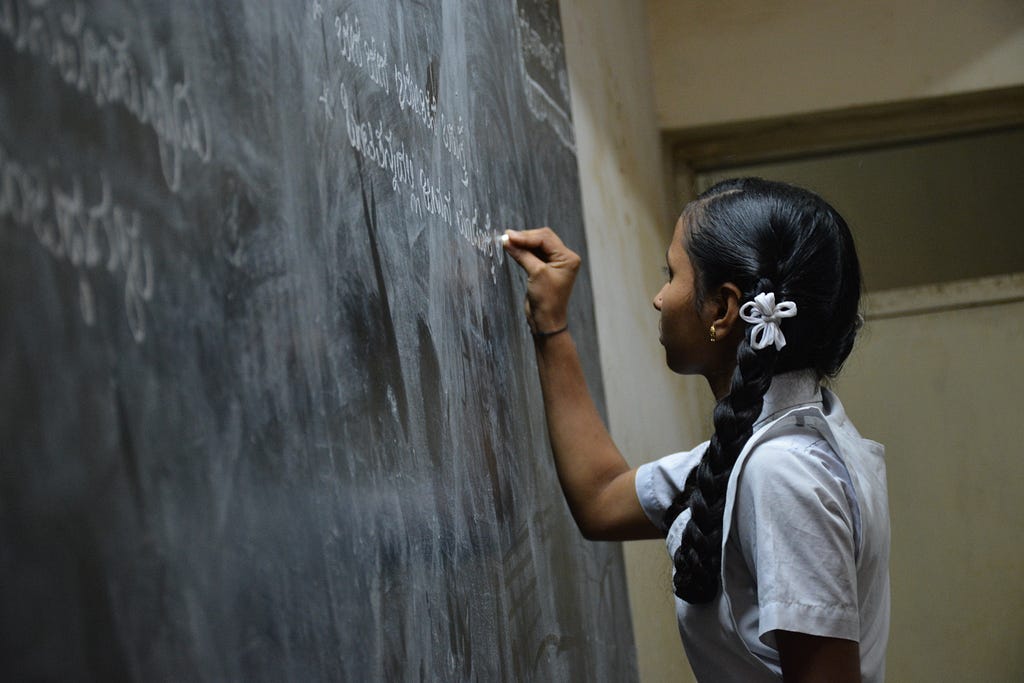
[(657, 301)]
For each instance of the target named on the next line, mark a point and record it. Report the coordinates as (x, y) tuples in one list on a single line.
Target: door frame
[(691, 151)]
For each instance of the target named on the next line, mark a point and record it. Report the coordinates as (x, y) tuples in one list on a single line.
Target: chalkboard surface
[(269, 409)]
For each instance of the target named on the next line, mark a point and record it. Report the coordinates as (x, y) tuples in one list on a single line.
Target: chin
[(681, 365), (672, 364)]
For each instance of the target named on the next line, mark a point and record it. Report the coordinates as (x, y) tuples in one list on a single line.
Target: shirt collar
[(787, 391)]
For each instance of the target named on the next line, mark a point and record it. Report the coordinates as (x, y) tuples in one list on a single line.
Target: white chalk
[(504, 238)]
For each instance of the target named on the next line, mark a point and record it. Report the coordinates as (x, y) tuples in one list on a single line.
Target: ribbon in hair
[(765, 315)]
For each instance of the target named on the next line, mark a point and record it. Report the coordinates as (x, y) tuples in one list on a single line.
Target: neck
[(720, 382)]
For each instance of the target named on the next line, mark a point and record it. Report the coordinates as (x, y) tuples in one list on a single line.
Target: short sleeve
[(795, 523), (658, 482)]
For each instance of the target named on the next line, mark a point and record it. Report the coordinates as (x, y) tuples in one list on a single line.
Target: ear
[(726, 310)]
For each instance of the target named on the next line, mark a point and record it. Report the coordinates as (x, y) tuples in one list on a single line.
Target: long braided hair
[(762, 236)]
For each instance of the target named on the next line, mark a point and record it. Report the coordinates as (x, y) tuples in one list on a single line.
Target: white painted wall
[(651, 411), (746, 59)]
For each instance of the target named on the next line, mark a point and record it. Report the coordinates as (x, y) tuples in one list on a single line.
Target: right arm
[(598, 483)]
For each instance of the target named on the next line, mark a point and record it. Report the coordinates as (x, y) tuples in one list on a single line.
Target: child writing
[(777, 527)]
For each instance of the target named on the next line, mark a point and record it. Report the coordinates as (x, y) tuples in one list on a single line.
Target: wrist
[(545, 333), (546, 322)]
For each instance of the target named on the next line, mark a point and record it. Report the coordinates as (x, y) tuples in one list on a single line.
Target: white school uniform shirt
[(806, 525)]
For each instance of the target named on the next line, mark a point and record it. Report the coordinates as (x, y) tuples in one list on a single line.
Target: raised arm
[(597, 482)]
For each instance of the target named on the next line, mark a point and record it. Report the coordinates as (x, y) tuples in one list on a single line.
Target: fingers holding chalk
[(551, 269), (544, 245), (522, 252)]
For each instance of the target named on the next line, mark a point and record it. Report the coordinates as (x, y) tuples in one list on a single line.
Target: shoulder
[(791, 455), (792, 476)]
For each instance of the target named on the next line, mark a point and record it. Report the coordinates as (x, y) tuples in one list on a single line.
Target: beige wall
[(941, 391), (628, 228), (746, 59)]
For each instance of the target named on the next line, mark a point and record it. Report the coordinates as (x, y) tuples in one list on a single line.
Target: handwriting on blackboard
[(426, 197), (533, 45), (103, 67), (541, 64), (403, 161), (364, 54), (90, 236)]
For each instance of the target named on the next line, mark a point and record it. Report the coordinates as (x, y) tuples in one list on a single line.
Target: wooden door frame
[(720, 146)]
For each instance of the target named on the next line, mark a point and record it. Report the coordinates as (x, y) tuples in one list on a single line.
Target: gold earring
[(714, 338)]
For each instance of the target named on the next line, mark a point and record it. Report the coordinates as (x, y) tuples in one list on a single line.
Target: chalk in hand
[(504, 238)]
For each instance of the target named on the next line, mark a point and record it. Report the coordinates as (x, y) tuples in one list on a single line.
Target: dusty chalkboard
[(268, 406)]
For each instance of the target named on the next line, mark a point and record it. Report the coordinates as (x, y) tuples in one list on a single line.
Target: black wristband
[(552, 333)]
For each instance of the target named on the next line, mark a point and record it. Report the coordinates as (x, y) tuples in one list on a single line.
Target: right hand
[(551, 269)]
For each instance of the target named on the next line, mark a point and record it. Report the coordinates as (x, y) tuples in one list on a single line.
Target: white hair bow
[(765, 316)]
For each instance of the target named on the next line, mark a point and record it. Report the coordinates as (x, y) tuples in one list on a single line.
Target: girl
[(778, 527)]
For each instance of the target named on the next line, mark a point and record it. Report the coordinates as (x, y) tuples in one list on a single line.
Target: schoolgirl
[(777, 526)]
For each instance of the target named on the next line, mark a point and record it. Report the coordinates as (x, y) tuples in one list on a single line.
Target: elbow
[(589, 533), (593, 528), (609, 510)]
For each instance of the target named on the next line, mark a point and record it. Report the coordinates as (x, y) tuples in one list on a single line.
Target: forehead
[(675, 249), (679, 228)]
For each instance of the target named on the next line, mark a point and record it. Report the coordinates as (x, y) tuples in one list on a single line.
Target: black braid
[(698, 558)]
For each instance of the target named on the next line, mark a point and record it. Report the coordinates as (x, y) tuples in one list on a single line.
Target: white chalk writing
[(89, 236), (378, 145), (381, 146), (362, 53), (414, 98), (103, 67), (535, 46), (547, 92), (403, 161)]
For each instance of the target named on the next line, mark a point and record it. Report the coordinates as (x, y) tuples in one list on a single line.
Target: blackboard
[(269, 409)]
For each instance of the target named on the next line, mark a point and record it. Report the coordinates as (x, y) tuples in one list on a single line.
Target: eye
[(667, 272)]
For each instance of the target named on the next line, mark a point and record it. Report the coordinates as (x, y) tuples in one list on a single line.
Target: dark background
[(268, 411)]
